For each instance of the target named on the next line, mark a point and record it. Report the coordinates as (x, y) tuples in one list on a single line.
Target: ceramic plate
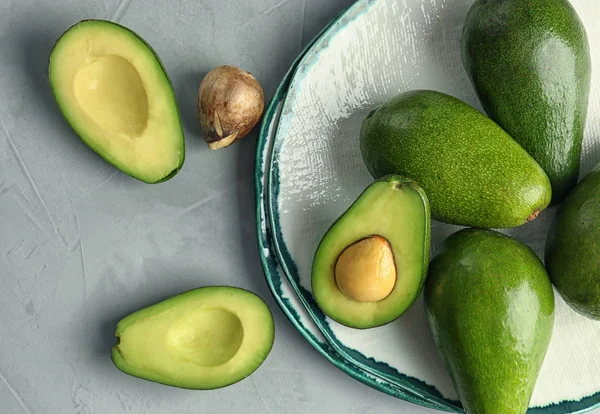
[(310, 170), (280, 285), (284, 292)]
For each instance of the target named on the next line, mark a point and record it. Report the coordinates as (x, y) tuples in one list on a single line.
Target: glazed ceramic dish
[(281, 286), (309, 170), (284, 292)]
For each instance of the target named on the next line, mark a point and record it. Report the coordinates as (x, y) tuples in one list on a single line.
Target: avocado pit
[(366, 270)]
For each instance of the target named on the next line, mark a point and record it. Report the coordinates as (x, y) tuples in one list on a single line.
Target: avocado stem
[(533, 215)]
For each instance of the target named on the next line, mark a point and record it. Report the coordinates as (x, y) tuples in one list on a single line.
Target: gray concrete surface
[(83, 245)]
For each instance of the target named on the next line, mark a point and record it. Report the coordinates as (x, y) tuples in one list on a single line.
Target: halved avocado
[(205, 338), (372, 262), (113, 90)]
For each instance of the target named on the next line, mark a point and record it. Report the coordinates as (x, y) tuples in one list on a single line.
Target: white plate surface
[(379, 49)]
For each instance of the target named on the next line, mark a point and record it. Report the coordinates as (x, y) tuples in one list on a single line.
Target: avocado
[(473, 172), (113, 90), (205, 338), (490, 307), (529, 62), (572, 254), (370, 265)]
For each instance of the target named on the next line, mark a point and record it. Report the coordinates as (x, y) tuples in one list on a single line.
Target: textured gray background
[(83, 245)]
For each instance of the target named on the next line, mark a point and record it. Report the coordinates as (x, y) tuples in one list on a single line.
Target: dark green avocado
[(530, 64), (473, 172), (573, 247), (490, 308)]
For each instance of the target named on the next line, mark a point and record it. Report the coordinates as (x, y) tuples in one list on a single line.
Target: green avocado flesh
[(114, 92), (530, 64), (573, 247), (396, 209), (205, 338), (473, 172), (490, 308)]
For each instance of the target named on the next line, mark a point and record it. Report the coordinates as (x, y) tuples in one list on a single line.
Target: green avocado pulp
[(395, 209), (207, 337), (113, 90), (112, 79), (201, 339)]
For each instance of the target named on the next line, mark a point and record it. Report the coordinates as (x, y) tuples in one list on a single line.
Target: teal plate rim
[(279, 259), (271, 265)]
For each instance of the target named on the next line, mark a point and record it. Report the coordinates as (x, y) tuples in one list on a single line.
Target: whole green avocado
[(530, 64), (573, 247), (490, 307), (472, 171)]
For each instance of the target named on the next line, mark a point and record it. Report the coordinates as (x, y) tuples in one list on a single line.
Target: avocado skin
[(490, 308), (530, 64), (572, 253), (472, 171)]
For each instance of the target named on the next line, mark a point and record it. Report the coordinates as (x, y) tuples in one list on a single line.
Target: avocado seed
[(230, 103), (366, 270)]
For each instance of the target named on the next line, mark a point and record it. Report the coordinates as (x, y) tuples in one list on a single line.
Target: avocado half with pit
[(113, 90), (371, 264), (205, 338)]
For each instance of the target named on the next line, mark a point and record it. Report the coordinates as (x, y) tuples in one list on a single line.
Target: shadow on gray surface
[(186, 84)]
